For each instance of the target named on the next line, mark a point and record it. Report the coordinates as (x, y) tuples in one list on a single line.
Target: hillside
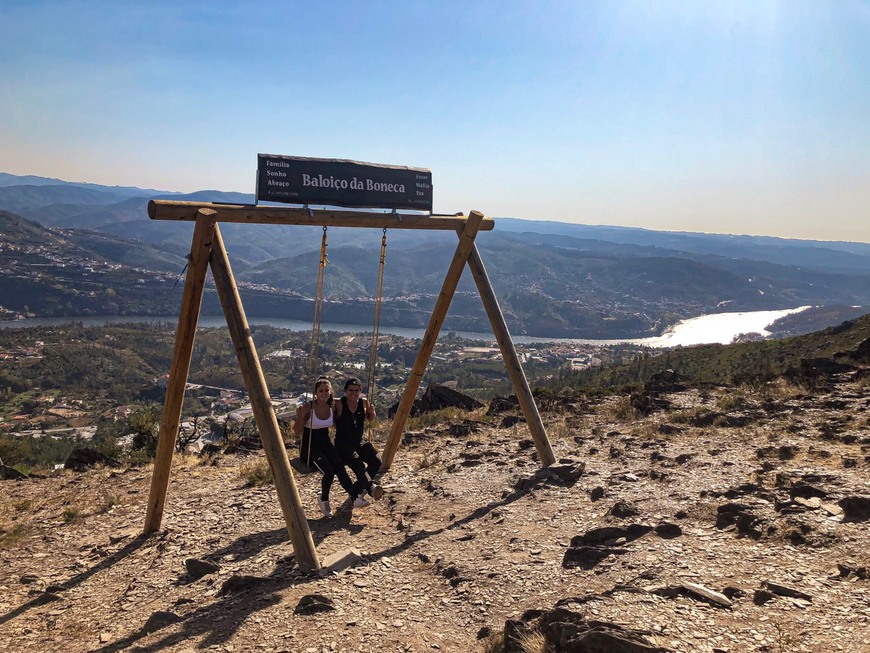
[(721, 520), (747, 362), (552, 279)]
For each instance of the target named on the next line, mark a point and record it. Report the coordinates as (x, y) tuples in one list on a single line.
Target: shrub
[(256, 473)]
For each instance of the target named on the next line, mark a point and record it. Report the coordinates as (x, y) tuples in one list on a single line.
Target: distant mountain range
[(552, 278)]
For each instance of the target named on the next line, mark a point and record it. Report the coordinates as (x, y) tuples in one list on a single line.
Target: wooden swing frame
[(207, 250)]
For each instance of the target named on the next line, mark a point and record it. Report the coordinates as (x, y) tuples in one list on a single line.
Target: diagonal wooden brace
[(442, 304)]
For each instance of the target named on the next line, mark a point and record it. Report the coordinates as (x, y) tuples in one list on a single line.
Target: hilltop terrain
[(677, 518)]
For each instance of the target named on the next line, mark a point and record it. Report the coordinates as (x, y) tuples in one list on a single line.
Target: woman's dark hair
[(320, 381)]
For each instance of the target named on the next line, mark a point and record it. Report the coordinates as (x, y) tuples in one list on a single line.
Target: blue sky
[(722, 116)]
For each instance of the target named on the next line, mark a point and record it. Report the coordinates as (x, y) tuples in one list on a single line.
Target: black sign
[(338, 182)]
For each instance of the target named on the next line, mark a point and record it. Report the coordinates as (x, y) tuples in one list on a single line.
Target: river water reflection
[(714, 328)]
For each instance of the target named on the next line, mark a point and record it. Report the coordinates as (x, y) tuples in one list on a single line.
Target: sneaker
[(360, 502), (376, 491), (325, 508)]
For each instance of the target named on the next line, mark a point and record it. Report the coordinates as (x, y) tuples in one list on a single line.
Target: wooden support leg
[(261, 404), (442, 304), (512, 361), (194, 283)]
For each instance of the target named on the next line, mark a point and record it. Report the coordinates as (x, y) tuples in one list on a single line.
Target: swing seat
[(301, 467)]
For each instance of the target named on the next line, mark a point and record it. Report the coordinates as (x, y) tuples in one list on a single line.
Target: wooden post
[(261, 404), (512, 361), (442, 304), (194, 283)]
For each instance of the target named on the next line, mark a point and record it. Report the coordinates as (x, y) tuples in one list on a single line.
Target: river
[(713, 328)]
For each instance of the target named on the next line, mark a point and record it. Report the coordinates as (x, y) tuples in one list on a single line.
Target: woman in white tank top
[(313, 421)]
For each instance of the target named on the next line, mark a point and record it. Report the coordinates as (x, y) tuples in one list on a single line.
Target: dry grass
[(429, 459), (534, 642), (438, 418), (12, 534), (621, 410), (494, 643), (108, 502), (256, 473), (733, 400), (648, 431), (685, 416), (559, 430), (71, 514), (782, 389)]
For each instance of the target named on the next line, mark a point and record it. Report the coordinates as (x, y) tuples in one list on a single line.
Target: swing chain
[(314, 352), (373, 358)]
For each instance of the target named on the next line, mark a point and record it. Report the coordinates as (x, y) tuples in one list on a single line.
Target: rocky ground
[(720, 520)]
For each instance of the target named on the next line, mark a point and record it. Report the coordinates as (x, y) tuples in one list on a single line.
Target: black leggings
[(325, 457), (363, 460)]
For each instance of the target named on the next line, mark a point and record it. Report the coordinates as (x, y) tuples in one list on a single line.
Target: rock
[(8, 473), (783, 590), (459, 430), (210, 449), (566, 475), (623, 509), (711, 596), (742, 516), (733, 592), (436, 397), (667, 530), (587, 550), (569, 632), (760, 597), (160, 619), (80, 458), (596, 493), (313, 604), (848, 571), (806, 491), (855, 508), (341, 560), (198, 568), (236, 584), (586, 557), (609, 534), (502, 405)]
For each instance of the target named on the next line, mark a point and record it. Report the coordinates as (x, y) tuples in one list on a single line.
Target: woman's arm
[(301, 417)]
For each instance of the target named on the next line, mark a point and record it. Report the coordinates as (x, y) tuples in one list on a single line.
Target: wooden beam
[(194, 283), (512, 361), (261, 404), (442, 304), (252, 214)]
